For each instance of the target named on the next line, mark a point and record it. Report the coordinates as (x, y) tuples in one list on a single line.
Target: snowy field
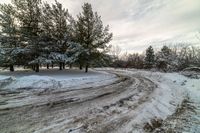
[(104, 100)]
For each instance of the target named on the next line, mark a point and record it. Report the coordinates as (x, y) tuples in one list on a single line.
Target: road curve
[(103, 109)]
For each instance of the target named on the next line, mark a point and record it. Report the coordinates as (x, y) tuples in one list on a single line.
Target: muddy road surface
[(102, 109)]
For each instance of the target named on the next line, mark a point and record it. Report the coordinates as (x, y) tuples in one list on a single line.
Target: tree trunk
[(70, 66), (63, 65), (86, 68), (52, 66), (80, 67), (60, 65), (33, 67), (47, 66), (37, 69), (11, 68)]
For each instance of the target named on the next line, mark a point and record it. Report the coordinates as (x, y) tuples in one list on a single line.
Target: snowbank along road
[(128, 104)]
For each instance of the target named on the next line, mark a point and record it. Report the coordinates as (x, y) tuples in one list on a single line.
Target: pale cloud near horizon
[(136, 24)]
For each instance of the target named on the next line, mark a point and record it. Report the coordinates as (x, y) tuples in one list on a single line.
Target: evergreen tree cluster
[(172, 59), (35, 33)]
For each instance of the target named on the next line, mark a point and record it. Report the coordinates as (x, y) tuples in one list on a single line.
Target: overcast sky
[(136, 24)]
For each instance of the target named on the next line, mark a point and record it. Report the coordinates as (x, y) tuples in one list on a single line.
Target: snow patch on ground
[(53, 79), (172, 89), (164, 101), (33, 82), (192, 86)]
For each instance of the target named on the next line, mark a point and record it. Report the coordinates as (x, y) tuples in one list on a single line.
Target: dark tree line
[(33, 33), (166, 59)]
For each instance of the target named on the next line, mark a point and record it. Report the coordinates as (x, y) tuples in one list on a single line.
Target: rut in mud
[(102, 109)]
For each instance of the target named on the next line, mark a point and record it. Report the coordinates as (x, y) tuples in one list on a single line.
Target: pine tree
[(29, 16), (166, 50), (47, 36), (33, 33), (9, 35), (92, 35), (60, 18), (150, 58), (162, 58), (166, 59)]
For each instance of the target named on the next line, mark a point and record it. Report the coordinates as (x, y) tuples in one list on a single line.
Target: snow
[(54, 79), (165, 99), (32, 82), (2, 77), (171, 89), (192, 87)]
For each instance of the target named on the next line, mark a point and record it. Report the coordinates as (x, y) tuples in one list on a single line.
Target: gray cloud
[(139, 23)]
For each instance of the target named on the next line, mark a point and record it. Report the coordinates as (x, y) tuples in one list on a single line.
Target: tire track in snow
[(98, 109)]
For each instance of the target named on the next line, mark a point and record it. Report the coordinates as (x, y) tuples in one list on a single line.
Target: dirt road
[(104, 109)]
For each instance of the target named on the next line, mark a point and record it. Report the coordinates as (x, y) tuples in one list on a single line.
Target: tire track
[(96, 110)]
